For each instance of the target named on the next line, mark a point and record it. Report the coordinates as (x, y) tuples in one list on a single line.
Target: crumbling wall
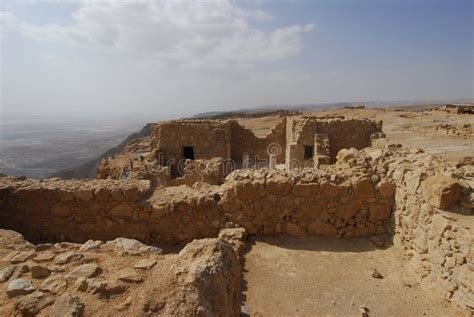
[(341, 134), (244, 141), (426, 203), (208, 138), (235, 144), (73, 210), (438, 240), (264, 202), (211, 171), (309, 203), (432, 217)]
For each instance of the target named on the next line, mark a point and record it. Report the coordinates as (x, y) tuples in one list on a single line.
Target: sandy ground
[(330, 277)]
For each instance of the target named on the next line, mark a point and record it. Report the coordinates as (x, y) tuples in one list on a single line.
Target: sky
[(180, 57)]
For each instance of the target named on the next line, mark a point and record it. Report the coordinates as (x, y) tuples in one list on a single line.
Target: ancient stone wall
[(72, 210), (425, 203), (266, 202), (245, 141), (428, 225), (207, 138), (339, 132), (432, 217), (211, 171), (327, 203)]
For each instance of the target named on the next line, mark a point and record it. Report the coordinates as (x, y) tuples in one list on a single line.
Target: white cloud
[(8, 21), (178, 31)]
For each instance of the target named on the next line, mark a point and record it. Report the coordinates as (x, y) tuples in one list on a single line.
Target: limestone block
[(363, 188), (386, 189), (306, 190), (278, 185), (329, 190), (441, 191), (244, 190), (65, 195), (121, 210), (318, 228), (84, 194), (294, 230), (380, 212), (102, 194)]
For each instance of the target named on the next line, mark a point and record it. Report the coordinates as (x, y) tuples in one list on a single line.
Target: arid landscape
[(237, 158), (383, 230)]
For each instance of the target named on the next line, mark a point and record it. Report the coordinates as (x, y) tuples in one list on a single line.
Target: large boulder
[(209, 271), (441, 191)]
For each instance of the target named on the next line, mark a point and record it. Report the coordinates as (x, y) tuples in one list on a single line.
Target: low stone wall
[(433, 223), (432, 217), (211, 171), (309, 203), (332, 203), (72, 210)]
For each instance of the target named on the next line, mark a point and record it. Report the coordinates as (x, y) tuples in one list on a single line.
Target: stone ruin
[(358, 185), (222, 146), (458, 108)]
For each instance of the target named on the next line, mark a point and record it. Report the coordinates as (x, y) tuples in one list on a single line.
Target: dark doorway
[(308, 152), (188, 152)]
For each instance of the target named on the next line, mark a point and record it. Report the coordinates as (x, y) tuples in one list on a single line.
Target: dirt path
[(329, 277)]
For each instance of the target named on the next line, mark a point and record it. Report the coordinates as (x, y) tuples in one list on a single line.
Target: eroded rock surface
[(109, 281)]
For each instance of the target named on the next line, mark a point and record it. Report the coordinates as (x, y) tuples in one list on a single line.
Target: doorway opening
[(308, 152), (188, 153)]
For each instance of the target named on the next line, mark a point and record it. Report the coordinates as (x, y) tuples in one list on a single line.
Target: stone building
[(458, 108), (313, 140), (294, 142)]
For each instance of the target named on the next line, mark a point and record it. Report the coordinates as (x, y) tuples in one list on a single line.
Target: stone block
[(441, 191)]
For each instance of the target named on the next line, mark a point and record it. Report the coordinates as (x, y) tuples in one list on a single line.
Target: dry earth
[(330, 277)]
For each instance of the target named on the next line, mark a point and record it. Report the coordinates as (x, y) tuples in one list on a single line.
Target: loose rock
[(39, 271), (55, 284), (81, 284), (364, 311), (129, 276), (91, 245), (67, 257), (21, 257), (133, 247), (67, 305), (44, 257), (6, 273), (33, 303), (86, 271), (24, 268), (376, 274), (44, 247), (19, 287)]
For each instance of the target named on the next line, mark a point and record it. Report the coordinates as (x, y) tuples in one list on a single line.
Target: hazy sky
[(173, 57)]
